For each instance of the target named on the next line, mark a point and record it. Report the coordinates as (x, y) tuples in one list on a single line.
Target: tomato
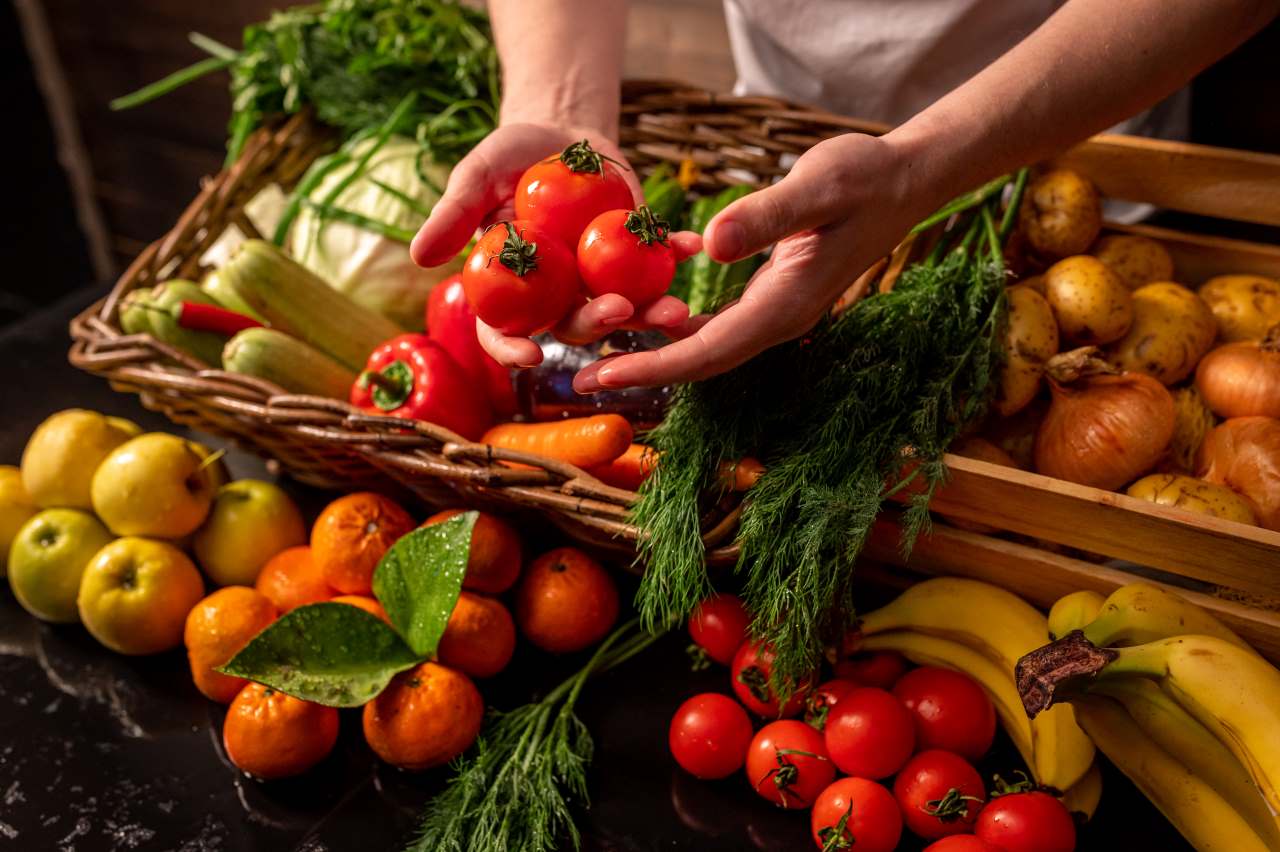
[(787, 764), (719, 626), (627, 252), (451, 322), (1027, 822), (561, 194), (869, 733), (940, 793), (819, 703), (709, 735), (962, 843), (520, 279), (752, 666), (951, 711), (857, 814), (873, 668)]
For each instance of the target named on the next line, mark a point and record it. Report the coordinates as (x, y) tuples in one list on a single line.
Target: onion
[(1103, 429), (1244, 454), (1192, 420), (1243, 379)]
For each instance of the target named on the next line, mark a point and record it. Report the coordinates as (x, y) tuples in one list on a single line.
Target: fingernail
[(602, 376), (731, 239), (586, 384)]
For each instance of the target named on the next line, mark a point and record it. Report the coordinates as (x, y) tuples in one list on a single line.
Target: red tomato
[(873, 668), (520, 279), (951, 711), (451, 323), (962, 843), (856, 814), (627, 252), (940, 793), (751, 669), (709, 735), (787, 764), (819, 703), (562, 194), (1027, 822), (869, 733), (719, 626)]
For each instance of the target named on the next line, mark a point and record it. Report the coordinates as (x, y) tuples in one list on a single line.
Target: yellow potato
[(1030, 339), (1194, 495), (1061, 214), (1172, 329), (1135, 260), (1091, 305), (1035, 282), (1245, 306)]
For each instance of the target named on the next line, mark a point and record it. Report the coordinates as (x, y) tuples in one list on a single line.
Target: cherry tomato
[(819, 703), (869, 733), (709, 735), (751, 669), (856, 814), (962, 843), (940, 793), (719, 626), (627, 252), (520, 279), (563, 193), (787, 764), (950, 709), (1027, 822), (873, 668)]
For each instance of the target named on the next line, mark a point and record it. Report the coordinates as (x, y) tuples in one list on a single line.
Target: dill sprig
[(836, 416), (514, 791)]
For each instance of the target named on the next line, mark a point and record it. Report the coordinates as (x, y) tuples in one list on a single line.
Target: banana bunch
[(982, 630), (1192, 718)]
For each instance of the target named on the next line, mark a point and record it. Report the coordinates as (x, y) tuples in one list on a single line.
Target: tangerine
[(368, 604), (217, 628), (493, 565), (426, 717), (479, 638), (566, 601), (292, 579), (272, 735), (352, 535)]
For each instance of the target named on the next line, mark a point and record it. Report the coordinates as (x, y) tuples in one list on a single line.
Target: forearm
[(561, 61), (1092, 64)]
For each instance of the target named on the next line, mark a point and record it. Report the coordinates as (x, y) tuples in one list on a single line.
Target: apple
[(155, 485), (64, 451), (216, 466), (48, 558), (16, 509), (251, 521), (136, 593)]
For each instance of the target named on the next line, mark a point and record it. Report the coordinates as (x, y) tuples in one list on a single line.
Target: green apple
[(251, 521), (156, 485), (64, 451), (48, 558), (16, 509)]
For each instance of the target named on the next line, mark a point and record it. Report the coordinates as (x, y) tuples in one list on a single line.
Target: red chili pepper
[(412, 376), (198, 316)]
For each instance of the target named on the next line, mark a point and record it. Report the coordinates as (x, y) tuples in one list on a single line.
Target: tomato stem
[(648, 226), (518, 254), (580, 157)]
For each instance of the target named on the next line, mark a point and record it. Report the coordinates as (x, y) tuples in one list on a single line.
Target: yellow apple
[(155, 485), (136, 593), (251, 521), (62, 454), (216, 468), (48, 558), (16, 509)]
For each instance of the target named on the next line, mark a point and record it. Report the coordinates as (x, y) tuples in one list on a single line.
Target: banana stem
[(1065, 665)]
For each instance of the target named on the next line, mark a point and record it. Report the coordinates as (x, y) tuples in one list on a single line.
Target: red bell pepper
[(413, 377), (452, 323)]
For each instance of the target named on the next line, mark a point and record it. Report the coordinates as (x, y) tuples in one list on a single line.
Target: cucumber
[(288, 362)]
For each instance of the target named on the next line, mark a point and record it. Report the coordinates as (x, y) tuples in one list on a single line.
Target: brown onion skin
[(1105, 431), (1241, 380), (1243, 453)]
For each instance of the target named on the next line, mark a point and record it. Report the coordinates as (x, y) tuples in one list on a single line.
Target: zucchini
[(290, 298), (288, 362), (164, 307), (216, 286), (135, 317)]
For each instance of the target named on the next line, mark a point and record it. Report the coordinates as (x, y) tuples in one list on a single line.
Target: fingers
[(686, 244), (474, 189), (518, 352), (594, 320)]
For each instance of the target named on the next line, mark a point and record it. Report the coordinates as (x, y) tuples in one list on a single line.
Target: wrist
[(567, 103), (931, 166)]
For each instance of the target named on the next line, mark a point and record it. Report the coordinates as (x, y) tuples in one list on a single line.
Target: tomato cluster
[(575, 236), (876, 720)]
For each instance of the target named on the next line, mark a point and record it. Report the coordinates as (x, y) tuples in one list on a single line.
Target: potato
[(1172, 329), (1030, 339), (1016, 435), (1035, 282), (1089, 302), (1135, 260), (1245, 306), (1061, 214), (1194, 495)]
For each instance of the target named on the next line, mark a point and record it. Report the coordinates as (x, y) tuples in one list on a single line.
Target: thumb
[(472, 192), (801, 201)]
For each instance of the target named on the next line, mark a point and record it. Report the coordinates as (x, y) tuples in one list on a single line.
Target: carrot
[(585, 442), (628, 470), (740, 475)]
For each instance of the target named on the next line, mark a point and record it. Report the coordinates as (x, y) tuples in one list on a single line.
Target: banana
[(1073, 611), (1142, 612), (1174, 730), (1188, 801), (1083, 796)]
